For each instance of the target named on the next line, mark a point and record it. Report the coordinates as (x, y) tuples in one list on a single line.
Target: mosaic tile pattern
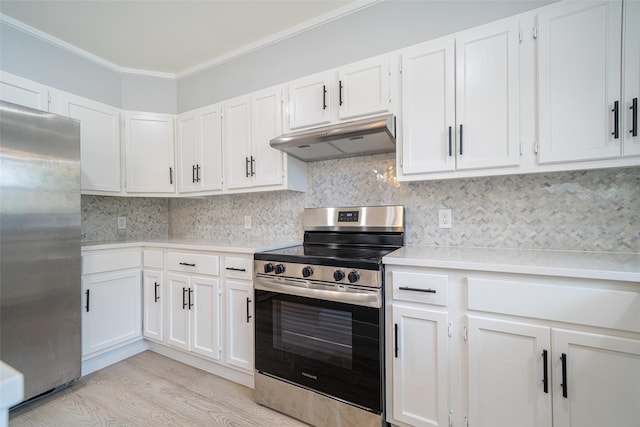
[(596, 210)]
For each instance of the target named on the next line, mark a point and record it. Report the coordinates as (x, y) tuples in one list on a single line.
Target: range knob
[(353, 276), (307, 271), (279, 268), (338, 275), (268, 267)]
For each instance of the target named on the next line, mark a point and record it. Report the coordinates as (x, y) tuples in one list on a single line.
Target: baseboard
[(244, 378), (107, 358)]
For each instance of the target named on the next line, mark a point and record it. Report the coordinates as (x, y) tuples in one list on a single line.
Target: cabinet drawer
[(152, 259), (605, 308), (193, 263), (100, 261), (238, 268), (420, 287)]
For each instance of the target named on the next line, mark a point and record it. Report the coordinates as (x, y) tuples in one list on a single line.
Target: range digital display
[(348, 216)]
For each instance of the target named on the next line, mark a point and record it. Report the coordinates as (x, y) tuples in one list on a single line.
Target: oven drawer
[(420, 287), (238, 268), (194, 263)]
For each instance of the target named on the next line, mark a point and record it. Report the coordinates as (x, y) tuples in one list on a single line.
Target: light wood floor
[(150, 390)]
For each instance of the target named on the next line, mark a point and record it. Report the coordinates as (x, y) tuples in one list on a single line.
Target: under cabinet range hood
[(358, 138)]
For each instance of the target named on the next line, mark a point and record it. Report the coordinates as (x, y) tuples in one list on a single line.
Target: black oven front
[(331, 347)]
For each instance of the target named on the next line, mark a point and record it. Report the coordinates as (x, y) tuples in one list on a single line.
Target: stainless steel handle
[(300, 288)]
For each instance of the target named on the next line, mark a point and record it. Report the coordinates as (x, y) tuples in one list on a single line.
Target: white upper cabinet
[(149, 153), (24, 92), (629, 108), (237, 142), (463, 116), (199, 150), (99, 143), (355, 90), (266, 123), (310, 101), (579, 72)]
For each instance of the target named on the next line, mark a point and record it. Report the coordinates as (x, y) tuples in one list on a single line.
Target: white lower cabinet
[(152, 292), (239, 349)]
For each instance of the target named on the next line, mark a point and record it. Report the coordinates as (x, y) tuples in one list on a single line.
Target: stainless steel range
[(319, 317)]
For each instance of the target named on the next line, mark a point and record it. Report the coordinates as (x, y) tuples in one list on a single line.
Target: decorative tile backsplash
[(597, 210)]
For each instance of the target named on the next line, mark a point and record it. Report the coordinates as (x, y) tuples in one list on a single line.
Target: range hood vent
[(357, 138)]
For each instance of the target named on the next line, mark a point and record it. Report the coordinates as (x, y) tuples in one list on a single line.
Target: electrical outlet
[(122, 222), (247, 222), (444, 218)]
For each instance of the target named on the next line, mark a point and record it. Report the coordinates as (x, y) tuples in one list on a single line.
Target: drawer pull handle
[(235, 269), (187, 264), (406, 288)]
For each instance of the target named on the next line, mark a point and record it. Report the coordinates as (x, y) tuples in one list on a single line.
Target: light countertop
[(237, 246), (588, 265), (11, 390)]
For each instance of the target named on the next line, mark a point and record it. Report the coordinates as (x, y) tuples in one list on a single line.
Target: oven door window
[(333, 348)]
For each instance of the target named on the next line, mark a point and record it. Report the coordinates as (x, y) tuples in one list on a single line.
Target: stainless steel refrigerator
[(40, 291)]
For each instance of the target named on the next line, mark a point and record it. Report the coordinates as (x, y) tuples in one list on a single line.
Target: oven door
[(331, 347)]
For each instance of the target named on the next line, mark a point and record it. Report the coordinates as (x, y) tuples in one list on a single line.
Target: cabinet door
[(420, 366), (23, 92), (111, 310), (602, 380), (310, 101), (153, 297), (579, 81), (187, 143), (209, 167), (506, 368), (239, 324), (149, 153), (487, 96), (363, 88), (631, 78), (205, 309), (99, 142), (237, 143), (428, 113), (266, 123), (178, 315)]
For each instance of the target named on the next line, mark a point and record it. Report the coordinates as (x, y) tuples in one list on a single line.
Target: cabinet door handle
[(253, 161), (156, 297), (187, 264), (197, 173), (340, 91), (563, 358), (87, 294), (461, 140), (634, 117), (395, 340), (190, 301), (184, 298), (545, 372), (235, 269), (193, 173), (248, 315), (616, 117), (450, 143), (170, 175), (324, 97), (406, 288), (246, 167)]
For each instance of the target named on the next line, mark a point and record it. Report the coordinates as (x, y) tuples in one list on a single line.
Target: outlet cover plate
[(445, 218)]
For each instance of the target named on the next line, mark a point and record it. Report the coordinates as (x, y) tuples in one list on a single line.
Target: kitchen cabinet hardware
[(170, 175), (340, 91), (461, 139), (156, 286), (324, 97), (193, 173), (406, 288), (616, 117), (246, 167), (634, 117), (87, 294), (236, 269), (190, 300), (545, 372), (197, 173), (563, 358), (184, 299), (395, 341), (253, 162), (187, 264), (450, 143), (248, 315)]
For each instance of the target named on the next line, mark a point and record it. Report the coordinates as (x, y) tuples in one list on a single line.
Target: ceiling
[(173, 37)]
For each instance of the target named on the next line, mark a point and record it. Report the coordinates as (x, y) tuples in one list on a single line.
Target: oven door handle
[(363, 298)]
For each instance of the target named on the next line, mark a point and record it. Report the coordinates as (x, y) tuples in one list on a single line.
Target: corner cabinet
[(199, 150), (149, 146), (460, 98), (153, 295)]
